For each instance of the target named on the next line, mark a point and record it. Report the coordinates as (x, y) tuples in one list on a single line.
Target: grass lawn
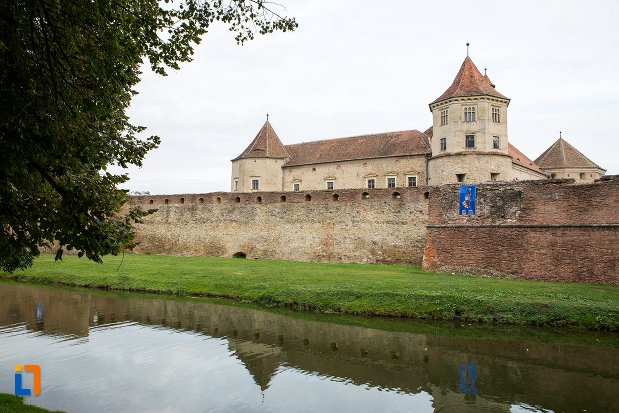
[(11, 404), (387, 290)]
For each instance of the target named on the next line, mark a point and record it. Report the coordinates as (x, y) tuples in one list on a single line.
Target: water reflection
[(104, 352)]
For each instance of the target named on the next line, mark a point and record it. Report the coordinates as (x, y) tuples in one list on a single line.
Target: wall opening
[(259, 199), (166, 201), (395, 195), (282, 198), (365, 195), (494, 176), (308, 197), (426, 195), (201, 200), (219, 200), (237, 199), (182, 200), (239, 254), (582, 175), (336, 197), (460, 177), (151, 202)]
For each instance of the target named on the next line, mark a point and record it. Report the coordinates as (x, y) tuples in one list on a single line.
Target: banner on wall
[(468, 200)]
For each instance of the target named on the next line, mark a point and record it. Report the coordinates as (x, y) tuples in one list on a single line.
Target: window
[(411, 180), (460, 177), (494, 176), (496, 115), (255, 184), (371, 183), (470, 141), (496, 142), (443, 144), (469, 113), (582, 176), (236, 185), (330, 185), (391, 182), (444, 117), (296, 187)]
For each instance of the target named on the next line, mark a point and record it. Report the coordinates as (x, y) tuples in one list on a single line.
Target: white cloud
[(356, 67)]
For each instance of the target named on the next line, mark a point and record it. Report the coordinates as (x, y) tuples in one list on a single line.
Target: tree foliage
[(67, 73)]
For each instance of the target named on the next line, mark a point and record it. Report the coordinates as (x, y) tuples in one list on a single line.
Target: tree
[(67, 73)]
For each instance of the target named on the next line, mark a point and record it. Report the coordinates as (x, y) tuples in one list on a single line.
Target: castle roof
[(381, 145), (563, 155), (469, 82), (521, 159), (266, 144)]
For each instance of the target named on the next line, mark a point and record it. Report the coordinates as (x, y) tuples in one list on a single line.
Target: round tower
[(259, 167), (469, 142)]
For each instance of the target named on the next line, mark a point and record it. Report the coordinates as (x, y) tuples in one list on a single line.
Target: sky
[(361, 67)]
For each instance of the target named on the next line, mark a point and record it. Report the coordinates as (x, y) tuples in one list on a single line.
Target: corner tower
[(259, 167), (469, 142)]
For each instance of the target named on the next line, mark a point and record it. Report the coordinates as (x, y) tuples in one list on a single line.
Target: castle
[(393, 198), (467, 142)]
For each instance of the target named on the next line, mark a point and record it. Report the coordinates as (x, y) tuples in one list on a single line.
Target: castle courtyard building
[(467, 143)]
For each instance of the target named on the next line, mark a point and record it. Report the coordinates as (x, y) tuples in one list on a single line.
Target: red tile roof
[(521, 159), (563, 155), (411, 142), (266, 144), (469, 82)]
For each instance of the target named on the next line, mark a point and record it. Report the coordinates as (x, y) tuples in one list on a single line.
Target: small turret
[(259, 167)]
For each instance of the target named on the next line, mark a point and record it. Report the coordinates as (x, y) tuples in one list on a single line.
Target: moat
[(107, 352)]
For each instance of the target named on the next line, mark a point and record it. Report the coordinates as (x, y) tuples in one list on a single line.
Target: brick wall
[(377, 225), (545, 230)]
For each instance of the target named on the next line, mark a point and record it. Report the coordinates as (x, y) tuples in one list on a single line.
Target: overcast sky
[(360, 67)]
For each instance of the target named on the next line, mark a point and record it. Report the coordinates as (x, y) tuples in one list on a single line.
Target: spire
[(266, 144), (470, 82)]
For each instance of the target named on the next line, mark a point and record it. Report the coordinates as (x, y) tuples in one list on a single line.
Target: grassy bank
[(388, 290), (11, 404)]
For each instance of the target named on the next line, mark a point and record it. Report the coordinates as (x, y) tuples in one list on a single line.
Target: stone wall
[(550, 230), (545, 230), (373, 226)]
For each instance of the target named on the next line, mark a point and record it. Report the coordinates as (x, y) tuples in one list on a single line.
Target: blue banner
[(468, 200)]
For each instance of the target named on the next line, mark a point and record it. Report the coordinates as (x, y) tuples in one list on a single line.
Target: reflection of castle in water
[(559, 377)]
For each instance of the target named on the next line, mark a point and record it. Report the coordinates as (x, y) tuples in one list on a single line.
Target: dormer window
[(469, 114), (496, 114), (444, 117)]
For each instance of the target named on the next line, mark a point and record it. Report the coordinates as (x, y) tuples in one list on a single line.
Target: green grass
[(385, 290), (11, 404)]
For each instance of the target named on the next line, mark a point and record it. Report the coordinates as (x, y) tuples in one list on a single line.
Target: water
[(103, 352)]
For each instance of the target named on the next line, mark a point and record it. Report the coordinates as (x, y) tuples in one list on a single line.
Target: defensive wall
[(379, 225), (551, 230)]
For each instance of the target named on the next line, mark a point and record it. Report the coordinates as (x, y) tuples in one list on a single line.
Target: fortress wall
[(545, 230), (551, 230), (333, 226)]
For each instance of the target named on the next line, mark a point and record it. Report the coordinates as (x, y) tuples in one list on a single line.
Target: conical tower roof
[(266, 144), (563, 155), (469, 82)]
